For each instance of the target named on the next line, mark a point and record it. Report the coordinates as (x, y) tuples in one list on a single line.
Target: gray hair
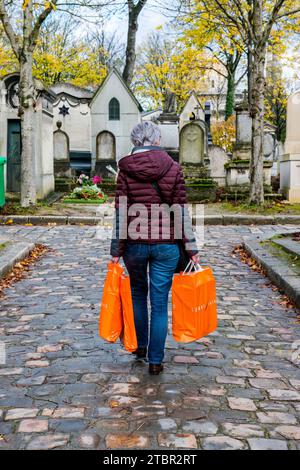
[(145, 133)]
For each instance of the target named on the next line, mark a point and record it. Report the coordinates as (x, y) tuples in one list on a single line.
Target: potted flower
[(88, 190)]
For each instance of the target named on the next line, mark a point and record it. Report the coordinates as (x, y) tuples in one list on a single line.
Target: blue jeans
[(162, 259)]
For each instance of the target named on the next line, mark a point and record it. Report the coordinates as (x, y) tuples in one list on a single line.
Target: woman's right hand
[(196, 259), (115, 259)]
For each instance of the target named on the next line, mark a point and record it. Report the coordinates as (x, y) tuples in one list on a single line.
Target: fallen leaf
[(20, 269)]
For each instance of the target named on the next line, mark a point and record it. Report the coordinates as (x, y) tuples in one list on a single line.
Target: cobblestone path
[(63, 387)]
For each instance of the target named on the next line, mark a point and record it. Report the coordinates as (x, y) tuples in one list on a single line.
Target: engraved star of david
[(63, 110)]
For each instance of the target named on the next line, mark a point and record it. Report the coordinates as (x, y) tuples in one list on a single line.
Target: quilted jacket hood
[(147, 166)]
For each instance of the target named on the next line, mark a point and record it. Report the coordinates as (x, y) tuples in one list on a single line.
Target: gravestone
[(290, 161), (192, 143)]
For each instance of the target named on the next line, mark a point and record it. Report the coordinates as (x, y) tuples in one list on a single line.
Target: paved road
[(62, 387)]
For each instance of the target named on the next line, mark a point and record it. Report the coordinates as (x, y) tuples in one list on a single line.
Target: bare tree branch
[(41, 18), (13, 38)]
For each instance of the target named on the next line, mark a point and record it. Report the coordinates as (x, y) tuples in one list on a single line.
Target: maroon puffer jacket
[(136, 173)]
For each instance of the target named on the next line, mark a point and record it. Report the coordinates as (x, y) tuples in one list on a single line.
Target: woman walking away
[(147, 178)]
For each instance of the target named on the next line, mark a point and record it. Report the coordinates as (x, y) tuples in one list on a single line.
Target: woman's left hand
[(115, 259)]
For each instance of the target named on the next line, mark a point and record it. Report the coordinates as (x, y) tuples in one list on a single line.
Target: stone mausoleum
[(92, 127), (10, 140)]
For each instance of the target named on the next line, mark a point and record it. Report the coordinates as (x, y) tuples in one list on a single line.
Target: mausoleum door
[(106, 146), (61, 146), (13, 155)]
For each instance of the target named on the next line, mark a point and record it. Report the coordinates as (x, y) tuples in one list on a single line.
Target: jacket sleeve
[(119, 235), (187, 234)]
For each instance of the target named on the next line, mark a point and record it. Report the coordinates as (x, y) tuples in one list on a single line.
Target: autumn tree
[(60, 56), (165, 65), (201, 30)]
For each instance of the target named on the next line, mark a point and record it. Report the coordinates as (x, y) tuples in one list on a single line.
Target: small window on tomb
[(114, 110)]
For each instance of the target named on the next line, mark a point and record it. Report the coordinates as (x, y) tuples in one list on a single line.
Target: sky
[(149, 20)]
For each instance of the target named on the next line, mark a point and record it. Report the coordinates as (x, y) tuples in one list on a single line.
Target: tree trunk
[(130, 49), (257, 90), (230, 95), (26, 112), (257, 115)]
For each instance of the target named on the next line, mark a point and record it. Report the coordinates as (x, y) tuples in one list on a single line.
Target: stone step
[(278, 270), (289, 245), (12, 254)]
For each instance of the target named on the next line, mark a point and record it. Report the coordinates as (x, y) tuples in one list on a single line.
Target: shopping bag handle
[(192, 265)]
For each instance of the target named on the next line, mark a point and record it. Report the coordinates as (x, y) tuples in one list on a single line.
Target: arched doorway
[(105, 146), (61, 153), (60, 145)]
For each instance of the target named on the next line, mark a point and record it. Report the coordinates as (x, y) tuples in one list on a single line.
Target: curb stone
[(14, 253), (277, 271), (235, 219), (241, 219)]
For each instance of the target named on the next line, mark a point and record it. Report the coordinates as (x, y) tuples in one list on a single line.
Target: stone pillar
[(44, 163), (168, 124), (290, 161), (242, 147)]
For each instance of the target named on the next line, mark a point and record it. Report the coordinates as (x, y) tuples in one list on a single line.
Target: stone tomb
[(290, 161), (237, 169), (10, 136), (71, 129)]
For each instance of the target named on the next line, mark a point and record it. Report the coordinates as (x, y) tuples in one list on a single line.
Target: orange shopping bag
[(111, 319), (194, 308), (128, 336)]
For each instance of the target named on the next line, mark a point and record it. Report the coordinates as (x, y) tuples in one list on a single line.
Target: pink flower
[(97, 179)]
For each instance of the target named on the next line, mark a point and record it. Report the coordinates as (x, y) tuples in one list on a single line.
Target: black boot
[(155, 369), (141, 353)]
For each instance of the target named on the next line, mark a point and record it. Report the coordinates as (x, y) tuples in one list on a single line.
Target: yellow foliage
[(8, 61), (168, 66), (76, 64), (223, 133)]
